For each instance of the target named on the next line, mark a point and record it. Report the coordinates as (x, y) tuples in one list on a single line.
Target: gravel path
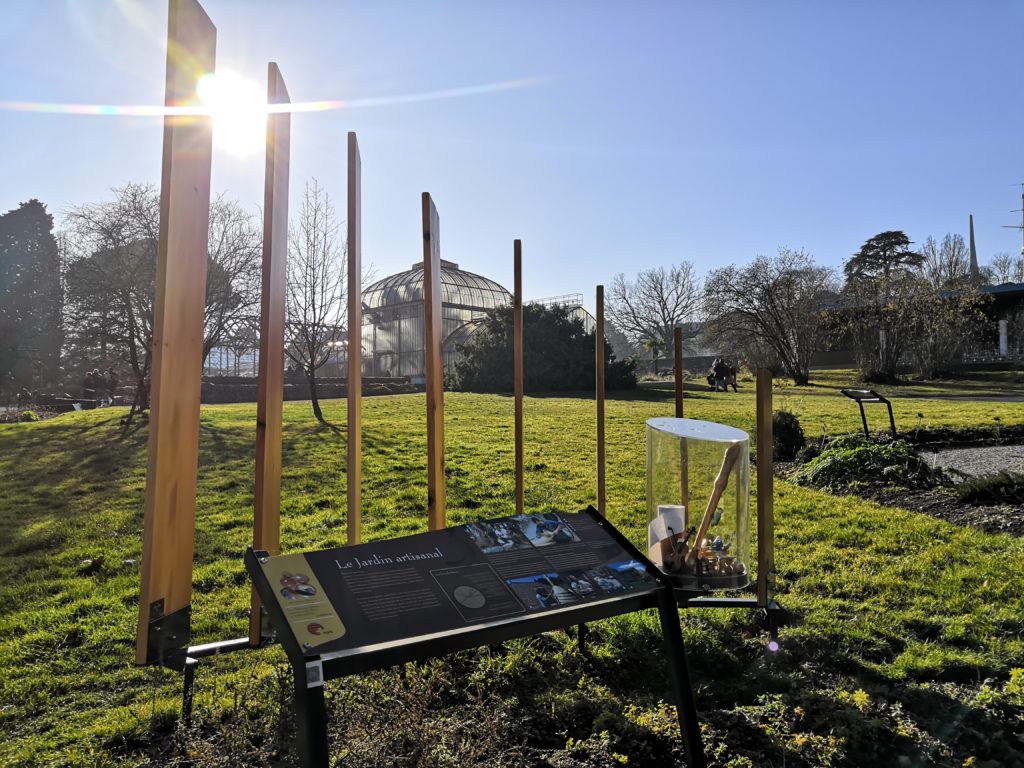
[(985, 460)]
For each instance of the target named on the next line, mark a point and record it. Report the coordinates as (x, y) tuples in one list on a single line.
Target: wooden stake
[(765, 490), (517, 363), (678, 339), (270, 384), (355, 344), (169, 528), (432, 330), (599, 378), (684, 458)]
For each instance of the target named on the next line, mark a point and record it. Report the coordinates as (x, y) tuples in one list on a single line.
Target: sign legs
[(679, 675), (310, 718)]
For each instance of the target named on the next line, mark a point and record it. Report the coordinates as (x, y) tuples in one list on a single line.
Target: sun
[(238, 110)]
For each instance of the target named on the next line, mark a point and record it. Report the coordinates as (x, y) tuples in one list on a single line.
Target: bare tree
[(110, 280), (942, 324), (316, 287), (233, 272), (651, 306), (776, 302), (111, 272), (1004, 268), (946, 264)]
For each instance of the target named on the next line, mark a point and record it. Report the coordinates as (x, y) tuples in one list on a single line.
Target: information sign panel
[(445, 580), (351, 609)]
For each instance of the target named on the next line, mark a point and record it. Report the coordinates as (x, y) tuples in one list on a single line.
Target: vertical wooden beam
[(678, 352), (765, 490), (684, 453), (270, 384), (517, 363), (599, 382), (433, 327), (169, 528), (355, 343)]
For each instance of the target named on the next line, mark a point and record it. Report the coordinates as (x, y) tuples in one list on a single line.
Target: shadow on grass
[(63, 470)]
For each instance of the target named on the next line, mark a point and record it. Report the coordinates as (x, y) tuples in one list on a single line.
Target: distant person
[(718, 372), (730, 377), (111, 381), (89, 386)]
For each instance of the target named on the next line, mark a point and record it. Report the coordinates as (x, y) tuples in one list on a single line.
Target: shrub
[(1001, 488), (558, 354), (852, 462), (28, 416), (808, 452), (787, 436)]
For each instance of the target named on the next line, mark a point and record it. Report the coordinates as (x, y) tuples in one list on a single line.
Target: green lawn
[(905, 646)]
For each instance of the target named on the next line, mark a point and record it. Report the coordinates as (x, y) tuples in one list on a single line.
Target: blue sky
[(656, 132)]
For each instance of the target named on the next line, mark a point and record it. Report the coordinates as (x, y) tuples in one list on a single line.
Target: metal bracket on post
[(267, 632), (168, 635)]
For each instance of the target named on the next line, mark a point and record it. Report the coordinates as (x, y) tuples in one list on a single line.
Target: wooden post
[(599, 379), (433, 327), (355, 344), (517, 363), (765, 490), (684, 454), (678, 339), (168, 533), (270, 385)]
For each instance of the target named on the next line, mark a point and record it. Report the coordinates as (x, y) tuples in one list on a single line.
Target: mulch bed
[(939, 503), (945, 506)]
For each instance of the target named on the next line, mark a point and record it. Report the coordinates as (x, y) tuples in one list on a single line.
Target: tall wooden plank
[(270, 385), (684, 455), (355, 344), (599, 386), (432, 330), (677, 338), (765, 489), (517, 367), (168, 531)]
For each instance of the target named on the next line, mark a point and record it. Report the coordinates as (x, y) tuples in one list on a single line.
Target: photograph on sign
[(498, 537), (546, 529)]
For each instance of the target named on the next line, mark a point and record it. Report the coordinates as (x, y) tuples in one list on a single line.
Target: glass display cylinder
[(698, 503)]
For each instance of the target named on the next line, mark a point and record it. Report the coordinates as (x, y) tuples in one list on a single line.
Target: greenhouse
[(393, 317)]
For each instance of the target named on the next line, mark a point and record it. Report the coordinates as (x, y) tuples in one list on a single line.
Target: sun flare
[(238, 109)]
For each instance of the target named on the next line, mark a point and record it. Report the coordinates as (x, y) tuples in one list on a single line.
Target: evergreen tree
[(558, 354), (30, 298)]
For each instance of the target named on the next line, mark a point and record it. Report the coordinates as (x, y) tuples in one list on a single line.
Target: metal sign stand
[(861, 396)]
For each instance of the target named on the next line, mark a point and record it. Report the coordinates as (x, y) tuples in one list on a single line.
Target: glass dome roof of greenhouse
[(458, 288)]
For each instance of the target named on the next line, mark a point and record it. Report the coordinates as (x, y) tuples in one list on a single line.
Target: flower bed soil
[(942, 503)]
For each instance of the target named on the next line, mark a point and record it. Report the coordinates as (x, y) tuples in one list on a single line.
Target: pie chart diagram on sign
[(470, 597)]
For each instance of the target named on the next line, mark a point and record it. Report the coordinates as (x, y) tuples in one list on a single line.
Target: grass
[(905, 640)]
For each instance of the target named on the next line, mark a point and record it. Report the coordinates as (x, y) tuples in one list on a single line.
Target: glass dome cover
[(459, 288), (698, 503)]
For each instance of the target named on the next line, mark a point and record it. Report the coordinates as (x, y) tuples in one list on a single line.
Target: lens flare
[(146, 110)]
